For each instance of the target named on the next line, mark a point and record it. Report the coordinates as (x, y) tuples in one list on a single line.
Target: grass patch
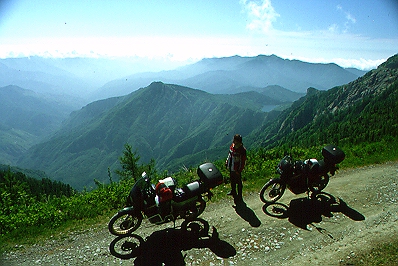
[(33, 235), (382, 254)]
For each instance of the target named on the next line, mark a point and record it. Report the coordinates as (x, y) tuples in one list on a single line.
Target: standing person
[(235, 163)]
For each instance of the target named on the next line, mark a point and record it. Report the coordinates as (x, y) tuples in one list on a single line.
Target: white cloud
[(261, 14), (318, 47), (333, 28), (346, 50), (349, 18), (363, 64), (176, 48)]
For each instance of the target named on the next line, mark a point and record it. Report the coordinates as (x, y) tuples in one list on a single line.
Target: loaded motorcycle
[(165, 202), (308, 176)]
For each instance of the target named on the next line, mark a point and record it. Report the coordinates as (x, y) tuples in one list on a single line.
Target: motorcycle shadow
[(305, 211), (165, 247)]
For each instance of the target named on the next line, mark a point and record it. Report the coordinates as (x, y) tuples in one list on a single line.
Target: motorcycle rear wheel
[(321, 183), (193, 212), (272, 191), (126, 247), (198, 226), (124, 223)]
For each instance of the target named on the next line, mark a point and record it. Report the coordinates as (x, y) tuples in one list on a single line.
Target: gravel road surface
[(358, 210)]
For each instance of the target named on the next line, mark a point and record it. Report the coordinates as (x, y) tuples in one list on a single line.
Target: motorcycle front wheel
[(126, 247), (194, 211), (277, 210), (320, 184), (272, 191), (124, 223)]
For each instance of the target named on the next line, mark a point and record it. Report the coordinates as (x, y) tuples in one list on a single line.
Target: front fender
[(127, 209), (275, 180)]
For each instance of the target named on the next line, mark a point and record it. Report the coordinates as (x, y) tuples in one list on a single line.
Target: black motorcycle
[(302, 176), (164, 202)]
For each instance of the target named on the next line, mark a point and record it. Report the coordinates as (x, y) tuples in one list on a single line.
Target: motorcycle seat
[(188, 191), (192, 187)]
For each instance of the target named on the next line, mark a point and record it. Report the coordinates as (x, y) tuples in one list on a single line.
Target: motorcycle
[(165, 202), (299, 177)]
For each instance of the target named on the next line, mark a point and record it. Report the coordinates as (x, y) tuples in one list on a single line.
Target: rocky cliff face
[(371, 84)]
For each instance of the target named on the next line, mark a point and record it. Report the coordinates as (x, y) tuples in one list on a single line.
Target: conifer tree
[(129, 163)]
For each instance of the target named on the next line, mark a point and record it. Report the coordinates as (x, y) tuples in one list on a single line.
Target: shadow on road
[(304, 211), (247, 214), (165, 247)]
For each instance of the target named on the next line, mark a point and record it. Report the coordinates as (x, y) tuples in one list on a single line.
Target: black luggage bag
[(332, 154), (209, 175)]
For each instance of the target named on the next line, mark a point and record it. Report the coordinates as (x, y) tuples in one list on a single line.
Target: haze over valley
[(156, 112)]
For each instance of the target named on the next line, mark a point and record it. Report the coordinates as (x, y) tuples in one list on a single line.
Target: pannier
[(332, 154), (209, 175)]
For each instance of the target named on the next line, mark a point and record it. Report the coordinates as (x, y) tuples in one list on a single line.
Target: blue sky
[(357, 33)]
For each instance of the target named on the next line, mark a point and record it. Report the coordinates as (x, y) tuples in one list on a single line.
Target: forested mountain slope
[(174, 125), (359, 111), (26, 117)]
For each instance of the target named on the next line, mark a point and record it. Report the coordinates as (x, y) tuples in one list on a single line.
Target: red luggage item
[(163, 192)]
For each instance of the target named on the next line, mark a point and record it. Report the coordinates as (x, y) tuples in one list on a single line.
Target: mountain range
[(83, 80), (239, 74), (174, 124), (29, 117)]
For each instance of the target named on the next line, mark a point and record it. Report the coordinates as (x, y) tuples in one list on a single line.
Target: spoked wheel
[(198, 226), (196, 210), (272, 191), (124, 223), (126, 247), (277, 210), (319, 184), (326, 200)]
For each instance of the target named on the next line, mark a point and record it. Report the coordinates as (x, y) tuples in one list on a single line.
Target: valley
[(179, 126)]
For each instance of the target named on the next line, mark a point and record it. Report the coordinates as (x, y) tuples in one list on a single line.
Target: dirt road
[(358, 211)]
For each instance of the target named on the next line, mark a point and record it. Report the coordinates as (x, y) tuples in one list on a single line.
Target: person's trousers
[(236, 184)]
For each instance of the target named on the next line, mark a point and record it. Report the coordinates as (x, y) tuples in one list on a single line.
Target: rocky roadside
[(365, 212)]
